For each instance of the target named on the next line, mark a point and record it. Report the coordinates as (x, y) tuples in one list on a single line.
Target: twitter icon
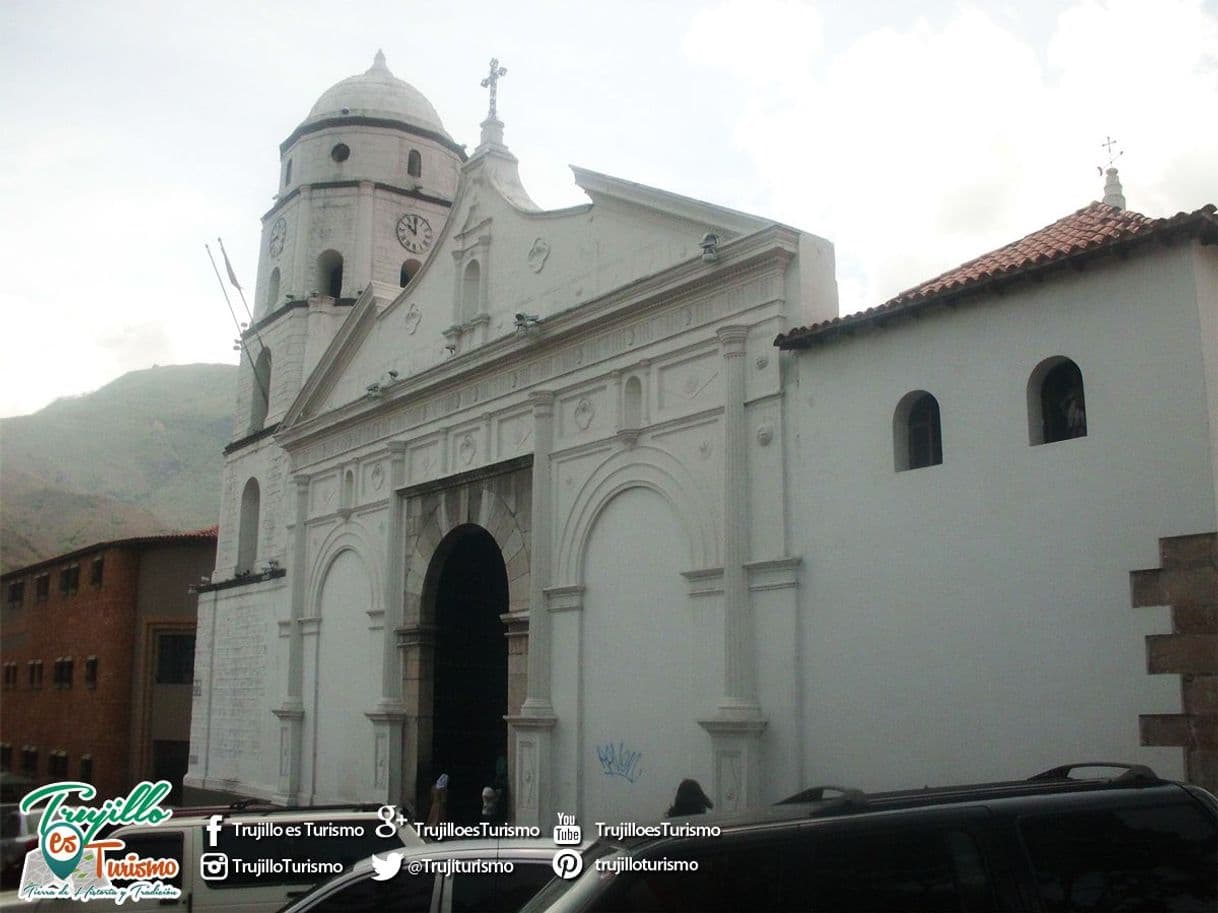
[(386, 868)]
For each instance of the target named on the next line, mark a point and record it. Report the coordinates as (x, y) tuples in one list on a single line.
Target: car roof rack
[(253, 806), (1056, 778), (1132, 773), (845, 796)]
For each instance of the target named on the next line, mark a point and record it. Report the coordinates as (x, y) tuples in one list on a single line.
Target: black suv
[(1049, 843)]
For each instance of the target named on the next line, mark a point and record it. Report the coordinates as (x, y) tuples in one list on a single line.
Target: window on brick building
[(91, 672), (10, 675), (29, 760), (175, 659), (16, 592), (96, 571), (57, 764), (69, 579), (6, 756), (34, 668), (86, 768), (42, 587), (63, 672)]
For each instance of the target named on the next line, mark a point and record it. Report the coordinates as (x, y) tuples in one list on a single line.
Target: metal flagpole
[(240, 339), (232, 277)]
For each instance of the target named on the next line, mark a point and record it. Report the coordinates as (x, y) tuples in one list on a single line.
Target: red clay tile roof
[(205, 535), (1094, 228)]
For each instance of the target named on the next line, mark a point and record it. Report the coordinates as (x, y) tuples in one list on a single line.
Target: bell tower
[(366, 182)]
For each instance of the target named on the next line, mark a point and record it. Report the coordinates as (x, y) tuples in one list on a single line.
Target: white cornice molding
[(595, 184)]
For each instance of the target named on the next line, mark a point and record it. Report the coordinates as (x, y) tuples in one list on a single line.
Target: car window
[(292, 840), (891, 871), (825, 870), (501, 892), (714, 876), (1161, 858), (404, 893)]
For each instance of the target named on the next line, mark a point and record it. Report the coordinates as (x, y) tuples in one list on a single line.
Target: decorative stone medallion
[(412, 318), (467, 449), (538, 254), (584, 413)]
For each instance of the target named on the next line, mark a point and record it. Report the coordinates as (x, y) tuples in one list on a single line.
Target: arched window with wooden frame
[(1057, 405), (917, 433)]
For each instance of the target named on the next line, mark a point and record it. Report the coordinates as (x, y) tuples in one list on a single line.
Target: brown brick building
[(97, 650)]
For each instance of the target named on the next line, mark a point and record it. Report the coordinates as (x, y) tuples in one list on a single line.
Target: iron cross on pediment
[(492, 82)]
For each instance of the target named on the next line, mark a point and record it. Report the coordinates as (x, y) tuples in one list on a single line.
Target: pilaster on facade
[(291, 736), (736, 758), (531, 728), (361, 272), (740, 667), (538, 702), (532, 746)]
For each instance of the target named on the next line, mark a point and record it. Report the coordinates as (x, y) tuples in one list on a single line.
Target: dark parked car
[(1049, 843)]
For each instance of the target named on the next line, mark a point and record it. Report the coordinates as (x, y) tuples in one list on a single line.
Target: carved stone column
[(417, 643), (531, 729), (389, 715), (291, 712), (736, 728)]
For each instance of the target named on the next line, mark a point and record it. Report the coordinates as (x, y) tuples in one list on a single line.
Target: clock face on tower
[(279, 233), (414, 232)]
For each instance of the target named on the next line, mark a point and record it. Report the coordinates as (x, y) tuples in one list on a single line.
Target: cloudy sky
[(913, 136)]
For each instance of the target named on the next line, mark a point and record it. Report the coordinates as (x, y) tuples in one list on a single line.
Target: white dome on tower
[(377, 93)]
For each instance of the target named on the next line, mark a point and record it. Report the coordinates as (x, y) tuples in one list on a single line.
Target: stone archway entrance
[(467, 588), (460, 531)]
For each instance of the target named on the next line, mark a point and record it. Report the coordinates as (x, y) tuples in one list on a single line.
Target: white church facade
[(538, 491)]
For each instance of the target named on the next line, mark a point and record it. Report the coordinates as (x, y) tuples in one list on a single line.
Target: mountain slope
[(142, 454)]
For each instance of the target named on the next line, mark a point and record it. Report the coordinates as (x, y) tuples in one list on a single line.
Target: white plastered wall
[(972, 620)]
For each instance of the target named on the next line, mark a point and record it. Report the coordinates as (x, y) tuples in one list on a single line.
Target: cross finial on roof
[(1114, 195), (492, 82)]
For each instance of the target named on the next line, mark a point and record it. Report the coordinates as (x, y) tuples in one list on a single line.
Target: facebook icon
[(213, 829)]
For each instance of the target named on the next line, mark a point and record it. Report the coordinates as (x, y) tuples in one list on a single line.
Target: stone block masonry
[(1187, 581)]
